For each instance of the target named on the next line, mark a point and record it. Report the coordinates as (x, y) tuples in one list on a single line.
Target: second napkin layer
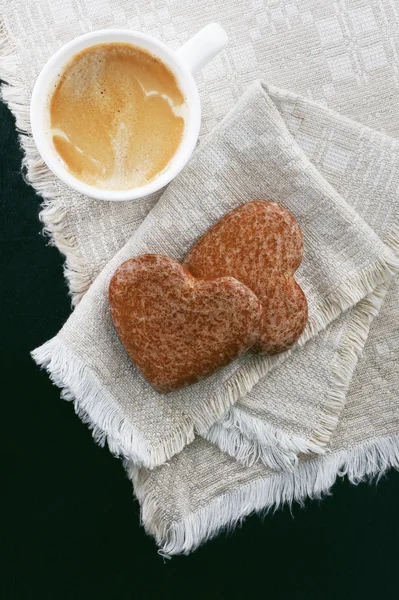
[(202, 489), (251, 154), (363, 166)]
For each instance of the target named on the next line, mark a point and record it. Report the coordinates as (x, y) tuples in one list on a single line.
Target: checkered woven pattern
[(339, 177)]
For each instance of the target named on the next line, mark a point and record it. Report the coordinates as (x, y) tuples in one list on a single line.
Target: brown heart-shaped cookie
[(178, 329), (261, 245)]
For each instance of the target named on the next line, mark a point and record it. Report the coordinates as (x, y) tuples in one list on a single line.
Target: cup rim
[(40, 95)]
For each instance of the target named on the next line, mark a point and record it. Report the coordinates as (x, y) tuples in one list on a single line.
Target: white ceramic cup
[(184, 63)]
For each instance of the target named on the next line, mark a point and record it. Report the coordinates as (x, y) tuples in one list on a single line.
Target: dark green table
[(70, 525)]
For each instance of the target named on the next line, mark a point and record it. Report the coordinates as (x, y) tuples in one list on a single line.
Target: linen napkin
[(251, 154), (202, 490), (361, 164), (338, 54)]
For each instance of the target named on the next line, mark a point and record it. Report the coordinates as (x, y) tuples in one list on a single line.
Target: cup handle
[(203, 47)]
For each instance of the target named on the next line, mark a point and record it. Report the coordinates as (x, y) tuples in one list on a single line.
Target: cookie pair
[(234, 292)]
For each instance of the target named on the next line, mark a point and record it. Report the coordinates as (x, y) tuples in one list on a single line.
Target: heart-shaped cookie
[(178, 329), (261, 245)]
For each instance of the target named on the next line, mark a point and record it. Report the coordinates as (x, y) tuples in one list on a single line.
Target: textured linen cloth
[(249, 155), (341, 54), (350, 152)]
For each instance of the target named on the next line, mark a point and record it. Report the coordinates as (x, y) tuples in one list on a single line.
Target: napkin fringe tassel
[(391, 237), (347, 357), (249, 439), (98, 410), (36, 173), (312, 478)]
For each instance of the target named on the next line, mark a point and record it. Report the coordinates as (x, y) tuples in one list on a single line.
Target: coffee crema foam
[(116, 116)]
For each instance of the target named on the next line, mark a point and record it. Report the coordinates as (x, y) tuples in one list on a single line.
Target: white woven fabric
[(341, 181), (249, 155), (329, 142)]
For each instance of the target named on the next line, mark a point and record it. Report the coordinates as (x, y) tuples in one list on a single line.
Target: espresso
[(116, 116)]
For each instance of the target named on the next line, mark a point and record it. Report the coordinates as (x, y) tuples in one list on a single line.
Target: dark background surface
[(70, 526)]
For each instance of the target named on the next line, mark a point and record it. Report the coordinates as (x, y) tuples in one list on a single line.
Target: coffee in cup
[(116, 116)]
